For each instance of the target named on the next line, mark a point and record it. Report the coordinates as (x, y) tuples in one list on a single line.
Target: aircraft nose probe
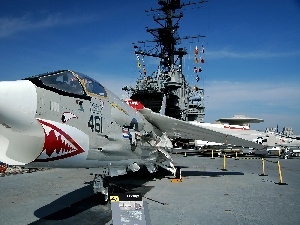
[(21, 135)]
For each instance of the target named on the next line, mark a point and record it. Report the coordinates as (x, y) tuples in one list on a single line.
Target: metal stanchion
[(236, 157), (280, 175), (212, 154), (224, 163), (263, 168)]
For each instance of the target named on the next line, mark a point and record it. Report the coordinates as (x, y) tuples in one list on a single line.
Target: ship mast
[(168, 83)]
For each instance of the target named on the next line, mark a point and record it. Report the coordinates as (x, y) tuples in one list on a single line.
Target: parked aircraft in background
[(66, 119)]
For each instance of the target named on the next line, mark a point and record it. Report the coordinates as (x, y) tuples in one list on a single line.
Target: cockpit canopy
[(70, 82), (91, 86), (65, 81)]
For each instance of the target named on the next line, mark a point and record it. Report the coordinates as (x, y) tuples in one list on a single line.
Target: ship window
[(64, 81)]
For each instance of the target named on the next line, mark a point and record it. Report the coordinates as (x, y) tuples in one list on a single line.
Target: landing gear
[(101, 188), (178, 173)]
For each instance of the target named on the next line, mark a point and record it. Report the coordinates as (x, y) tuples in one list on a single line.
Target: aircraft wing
[(178, 128)]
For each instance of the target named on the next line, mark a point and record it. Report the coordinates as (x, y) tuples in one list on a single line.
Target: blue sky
[(252, 49)]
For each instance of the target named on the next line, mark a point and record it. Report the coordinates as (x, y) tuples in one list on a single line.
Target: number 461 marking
[(95, 123)]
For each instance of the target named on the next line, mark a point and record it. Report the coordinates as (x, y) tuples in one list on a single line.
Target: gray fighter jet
[(66, 119)]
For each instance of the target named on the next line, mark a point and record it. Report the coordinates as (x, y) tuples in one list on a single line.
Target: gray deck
[(207, 195)]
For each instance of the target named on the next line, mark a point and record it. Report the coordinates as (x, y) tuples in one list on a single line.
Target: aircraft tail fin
[(272, 141), (163, 106), (135, 104)]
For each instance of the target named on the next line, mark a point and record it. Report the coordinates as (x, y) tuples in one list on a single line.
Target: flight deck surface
[(206, 195)]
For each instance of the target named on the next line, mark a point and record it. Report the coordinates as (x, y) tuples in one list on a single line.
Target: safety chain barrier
[(250, 158), (279, 170), (263, 160)]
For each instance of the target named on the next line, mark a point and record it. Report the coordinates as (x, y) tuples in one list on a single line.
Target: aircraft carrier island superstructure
[(167, 85)]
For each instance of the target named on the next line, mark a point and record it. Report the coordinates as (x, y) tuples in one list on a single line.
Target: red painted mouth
[(58, 144)]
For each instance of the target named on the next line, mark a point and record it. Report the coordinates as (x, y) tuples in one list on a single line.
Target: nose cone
[(21, 136), (18, 104)]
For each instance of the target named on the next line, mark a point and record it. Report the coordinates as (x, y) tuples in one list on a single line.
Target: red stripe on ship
[(237, 128), (56, 144)]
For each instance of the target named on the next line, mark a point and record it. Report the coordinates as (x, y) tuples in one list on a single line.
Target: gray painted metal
[(179, 128)]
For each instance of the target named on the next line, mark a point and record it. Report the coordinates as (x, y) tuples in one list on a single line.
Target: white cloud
[(225, 53), (273, 102), (11, 26), (223, 93)]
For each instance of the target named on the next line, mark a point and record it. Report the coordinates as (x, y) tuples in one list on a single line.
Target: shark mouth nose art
[(60, 141)]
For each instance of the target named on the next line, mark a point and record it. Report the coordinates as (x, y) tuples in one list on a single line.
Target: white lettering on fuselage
[(54, 106)]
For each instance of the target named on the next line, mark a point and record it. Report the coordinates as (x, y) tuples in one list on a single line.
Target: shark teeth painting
[(58, 143)]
